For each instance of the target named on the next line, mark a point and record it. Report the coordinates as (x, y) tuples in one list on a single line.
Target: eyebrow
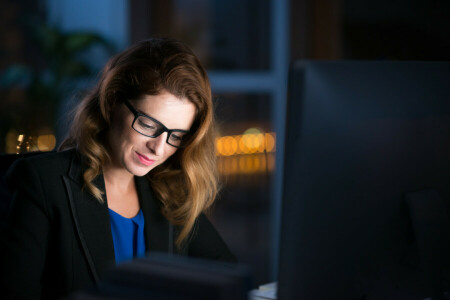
[(133, 108), (146, 115)]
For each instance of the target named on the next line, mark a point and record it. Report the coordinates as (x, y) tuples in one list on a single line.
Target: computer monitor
[(367, 145)]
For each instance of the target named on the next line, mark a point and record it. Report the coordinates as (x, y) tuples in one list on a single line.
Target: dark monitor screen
[(361, 137)]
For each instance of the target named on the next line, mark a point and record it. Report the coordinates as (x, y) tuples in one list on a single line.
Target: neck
[(120, 179)]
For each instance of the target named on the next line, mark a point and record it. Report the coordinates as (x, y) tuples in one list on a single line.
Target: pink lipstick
[(145, 160)]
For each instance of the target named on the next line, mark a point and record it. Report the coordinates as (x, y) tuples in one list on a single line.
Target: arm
[(23, 242), (206, 242)]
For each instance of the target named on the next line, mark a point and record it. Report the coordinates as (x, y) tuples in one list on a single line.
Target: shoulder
[(47, 160), (43, 164), (51, 158)]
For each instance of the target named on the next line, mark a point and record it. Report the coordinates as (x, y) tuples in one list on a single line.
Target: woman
[(134, 175)]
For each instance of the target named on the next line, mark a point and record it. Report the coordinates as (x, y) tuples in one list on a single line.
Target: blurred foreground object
[(161, 276)]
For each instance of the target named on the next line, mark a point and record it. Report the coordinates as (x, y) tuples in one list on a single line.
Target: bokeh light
[(246, 164), (248, 143), (46, 142), (251, 152)]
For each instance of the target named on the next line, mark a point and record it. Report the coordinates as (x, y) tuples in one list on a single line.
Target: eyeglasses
[(151, 127)]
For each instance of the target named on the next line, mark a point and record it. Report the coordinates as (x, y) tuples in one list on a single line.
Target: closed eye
[(175, 137), (146, 126)]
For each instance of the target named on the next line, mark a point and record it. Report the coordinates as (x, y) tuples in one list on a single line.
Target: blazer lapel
[(91, 220), (157, 228)]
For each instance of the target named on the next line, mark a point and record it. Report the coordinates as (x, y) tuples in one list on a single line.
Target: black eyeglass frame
[(163, 129)]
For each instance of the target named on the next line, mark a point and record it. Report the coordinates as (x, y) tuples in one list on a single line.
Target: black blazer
[(57, 236)]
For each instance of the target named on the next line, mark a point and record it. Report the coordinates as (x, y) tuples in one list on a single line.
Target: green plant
[(39, 88)]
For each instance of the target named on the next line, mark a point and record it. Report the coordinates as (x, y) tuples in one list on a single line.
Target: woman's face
[(138, 154)]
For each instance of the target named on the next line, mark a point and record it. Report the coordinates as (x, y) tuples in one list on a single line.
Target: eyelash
[(174, 137), (146, 126)]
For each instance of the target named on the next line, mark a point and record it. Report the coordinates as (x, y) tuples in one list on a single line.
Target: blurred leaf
[(16, 75), (49, 40), (41, 92), (74, 69), (77, 41)]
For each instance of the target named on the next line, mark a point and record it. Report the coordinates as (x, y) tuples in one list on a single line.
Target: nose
[(157, 144)]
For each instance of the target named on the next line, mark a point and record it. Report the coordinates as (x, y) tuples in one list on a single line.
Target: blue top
[(128, 236)]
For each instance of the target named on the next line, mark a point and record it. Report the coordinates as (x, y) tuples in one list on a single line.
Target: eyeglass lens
[(151, 128)]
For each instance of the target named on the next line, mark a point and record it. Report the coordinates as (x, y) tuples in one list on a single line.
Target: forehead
[(173, 112)]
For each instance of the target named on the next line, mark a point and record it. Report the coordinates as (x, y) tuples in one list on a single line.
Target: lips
[(144, 159)]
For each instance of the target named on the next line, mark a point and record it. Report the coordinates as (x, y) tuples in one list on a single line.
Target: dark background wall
[(237, 36)]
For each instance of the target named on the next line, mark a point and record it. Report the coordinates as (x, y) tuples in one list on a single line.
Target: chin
[(135, 168), (139, 171)]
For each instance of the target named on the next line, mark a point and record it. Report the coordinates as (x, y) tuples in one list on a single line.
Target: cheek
[(169, 152), (121, 135)]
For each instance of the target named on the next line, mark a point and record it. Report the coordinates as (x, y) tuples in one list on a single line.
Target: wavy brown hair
[(186, 184)]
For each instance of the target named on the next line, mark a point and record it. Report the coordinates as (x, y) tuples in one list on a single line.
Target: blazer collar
[(158, 231), (92, 220), (76, 169)]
